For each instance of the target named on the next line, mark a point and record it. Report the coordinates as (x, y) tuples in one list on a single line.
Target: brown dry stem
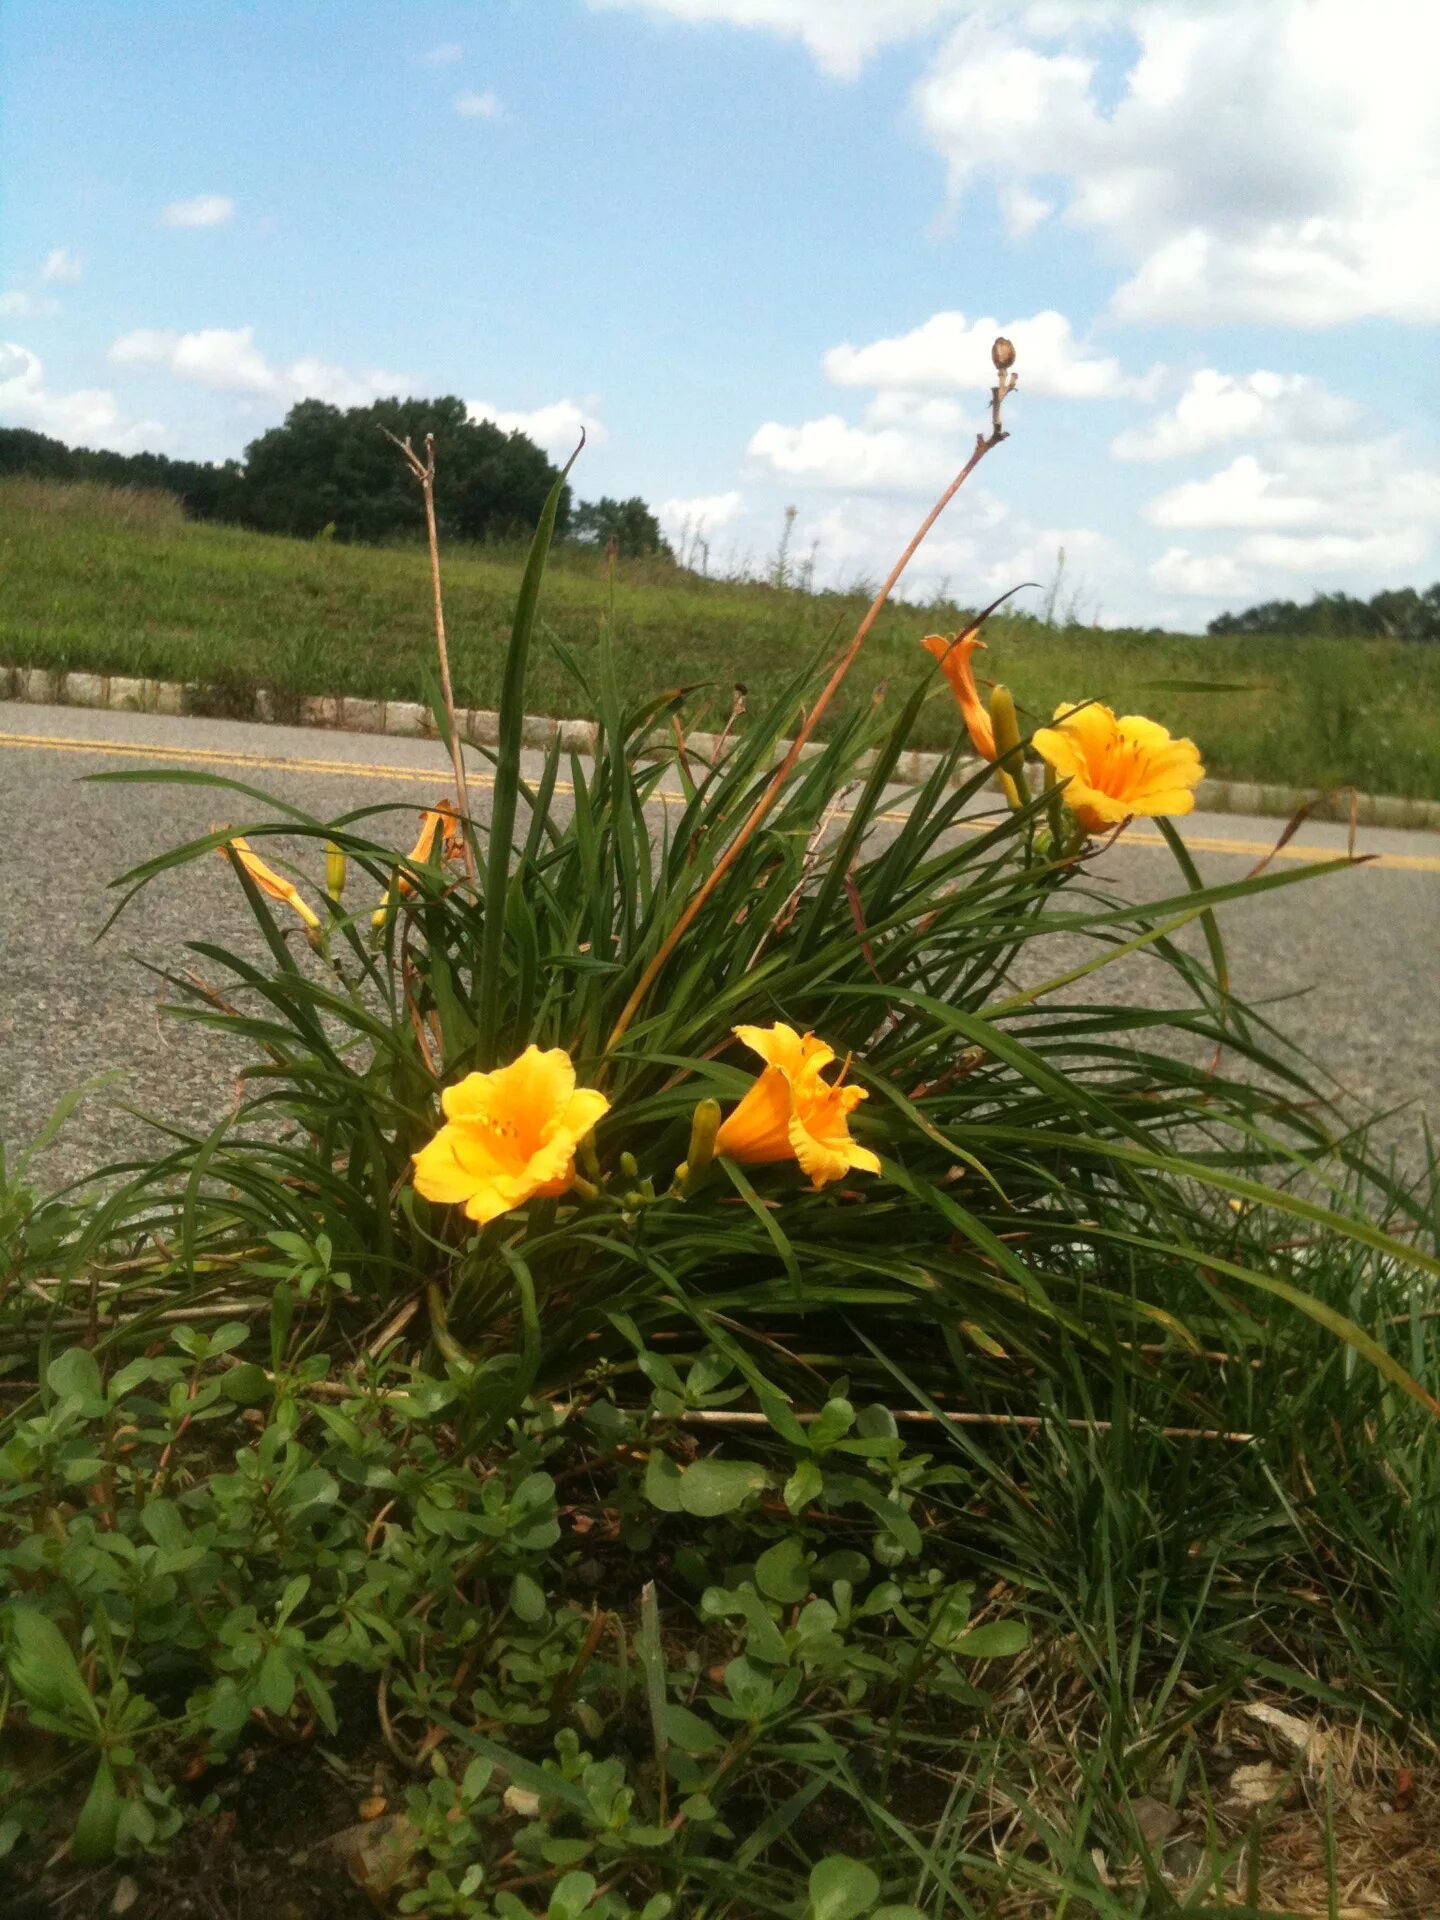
[(424, 472), (984, 443)]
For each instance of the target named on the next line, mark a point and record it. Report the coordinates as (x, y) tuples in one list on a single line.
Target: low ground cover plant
[(674, 1353)]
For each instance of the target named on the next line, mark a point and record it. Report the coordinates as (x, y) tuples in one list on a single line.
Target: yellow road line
[(210, 757)]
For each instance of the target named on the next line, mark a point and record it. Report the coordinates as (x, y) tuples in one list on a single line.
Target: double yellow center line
[(235, 760)]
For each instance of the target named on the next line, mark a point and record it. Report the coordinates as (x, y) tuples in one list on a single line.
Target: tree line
[(1399, 613), (332, 470)]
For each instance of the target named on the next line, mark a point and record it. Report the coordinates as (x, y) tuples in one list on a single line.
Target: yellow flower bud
[(629, 1166), (1009, 760), (334, 870)]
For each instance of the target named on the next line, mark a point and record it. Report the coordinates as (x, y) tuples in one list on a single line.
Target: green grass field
[(96, 579)]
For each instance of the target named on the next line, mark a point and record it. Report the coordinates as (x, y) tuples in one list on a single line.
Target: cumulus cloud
[(555, 428), (86, 416), (1376, 485), (17, 304), (1204, 576), (477, 106), (226, 360), (831, 453), (61, 264), (839, 35), (1269, 163), (947, 353), (1373, 512), (1216, 407), (701, 515), (205, 210)]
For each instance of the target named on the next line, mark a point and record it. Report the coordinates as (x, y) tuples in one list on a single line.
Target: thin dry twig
[(984, 443), (424, 472)]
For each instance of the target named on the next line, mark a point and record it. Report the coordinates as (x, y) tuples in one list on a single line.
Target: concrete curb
[(408, 719)]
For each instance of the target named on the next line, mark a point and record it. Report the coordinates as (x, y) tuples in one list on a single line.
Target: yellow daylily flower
[(509, 1136), (1113, 768), (238, 852), (792, 1112), (954, 656)]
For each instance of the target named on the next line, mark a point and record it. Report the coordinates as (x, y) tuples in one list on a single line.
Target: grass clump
[(670, 1534), (113, 581)]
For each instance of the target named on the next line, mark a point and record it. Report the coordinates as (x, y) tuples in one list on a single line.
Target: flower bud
[(1009, 760), (334, 870), (704, 1125), (629, 1166), (1003, 354)]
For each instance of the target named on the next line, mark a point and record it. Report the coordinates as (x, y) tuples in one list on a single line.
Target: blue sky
[(759, 246)]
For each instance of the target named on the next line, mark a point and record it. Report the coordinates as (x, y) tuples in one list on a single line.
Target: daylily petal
[(758, 1130), (954, 656)]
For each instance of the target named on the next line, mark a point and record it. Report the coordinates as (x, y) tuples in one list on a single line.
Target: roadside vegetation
[(678, 1393), (118, 582)]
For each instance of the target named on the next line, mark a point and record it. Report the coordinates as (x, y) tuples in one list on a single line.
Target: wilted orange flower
[(237, 851), (1115, 768), (509, 1136), (954, 656), (441, 815), (792, 1113)]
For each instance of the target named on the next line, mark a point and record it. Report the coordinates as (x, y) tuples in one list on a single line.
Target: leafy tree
[(1401, 613), (629, 523), (329, 466)]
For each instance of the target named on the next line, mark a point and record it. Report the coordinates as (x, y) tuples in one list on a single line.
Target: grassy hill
[(93, 578)]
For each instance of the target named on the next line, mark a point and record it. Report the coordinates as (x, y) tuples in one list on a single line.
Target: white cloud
[(1206, 576), (205, 210), (61, 264), (1244, 494), (445, 55), (948, 354), (1023, 210), (1270, 163), (831, 453), (477, 106), (1216, 407), (839, 35), (1380, 552), (227, 360), (19, 305), (1373, 484), (555, 428), (86, 416), (702, 515)]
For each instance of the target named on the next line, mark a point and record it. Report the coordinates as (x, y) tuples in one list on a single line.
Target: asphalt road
[(1355, 957)]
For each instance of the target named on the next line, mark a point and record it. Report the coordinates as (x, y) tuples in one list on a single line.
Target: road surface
[(1355, 957)]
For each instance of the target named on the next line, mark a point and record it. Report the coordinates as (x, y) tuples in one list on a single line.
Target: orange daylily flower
[(509, 1136), (238, 852), (1113, 768), (792, 1113), (442, 817), (954, 656)]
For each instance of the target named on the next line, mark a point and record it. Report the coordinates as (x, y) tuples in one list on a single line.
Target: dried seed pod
[(1003, 354)]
